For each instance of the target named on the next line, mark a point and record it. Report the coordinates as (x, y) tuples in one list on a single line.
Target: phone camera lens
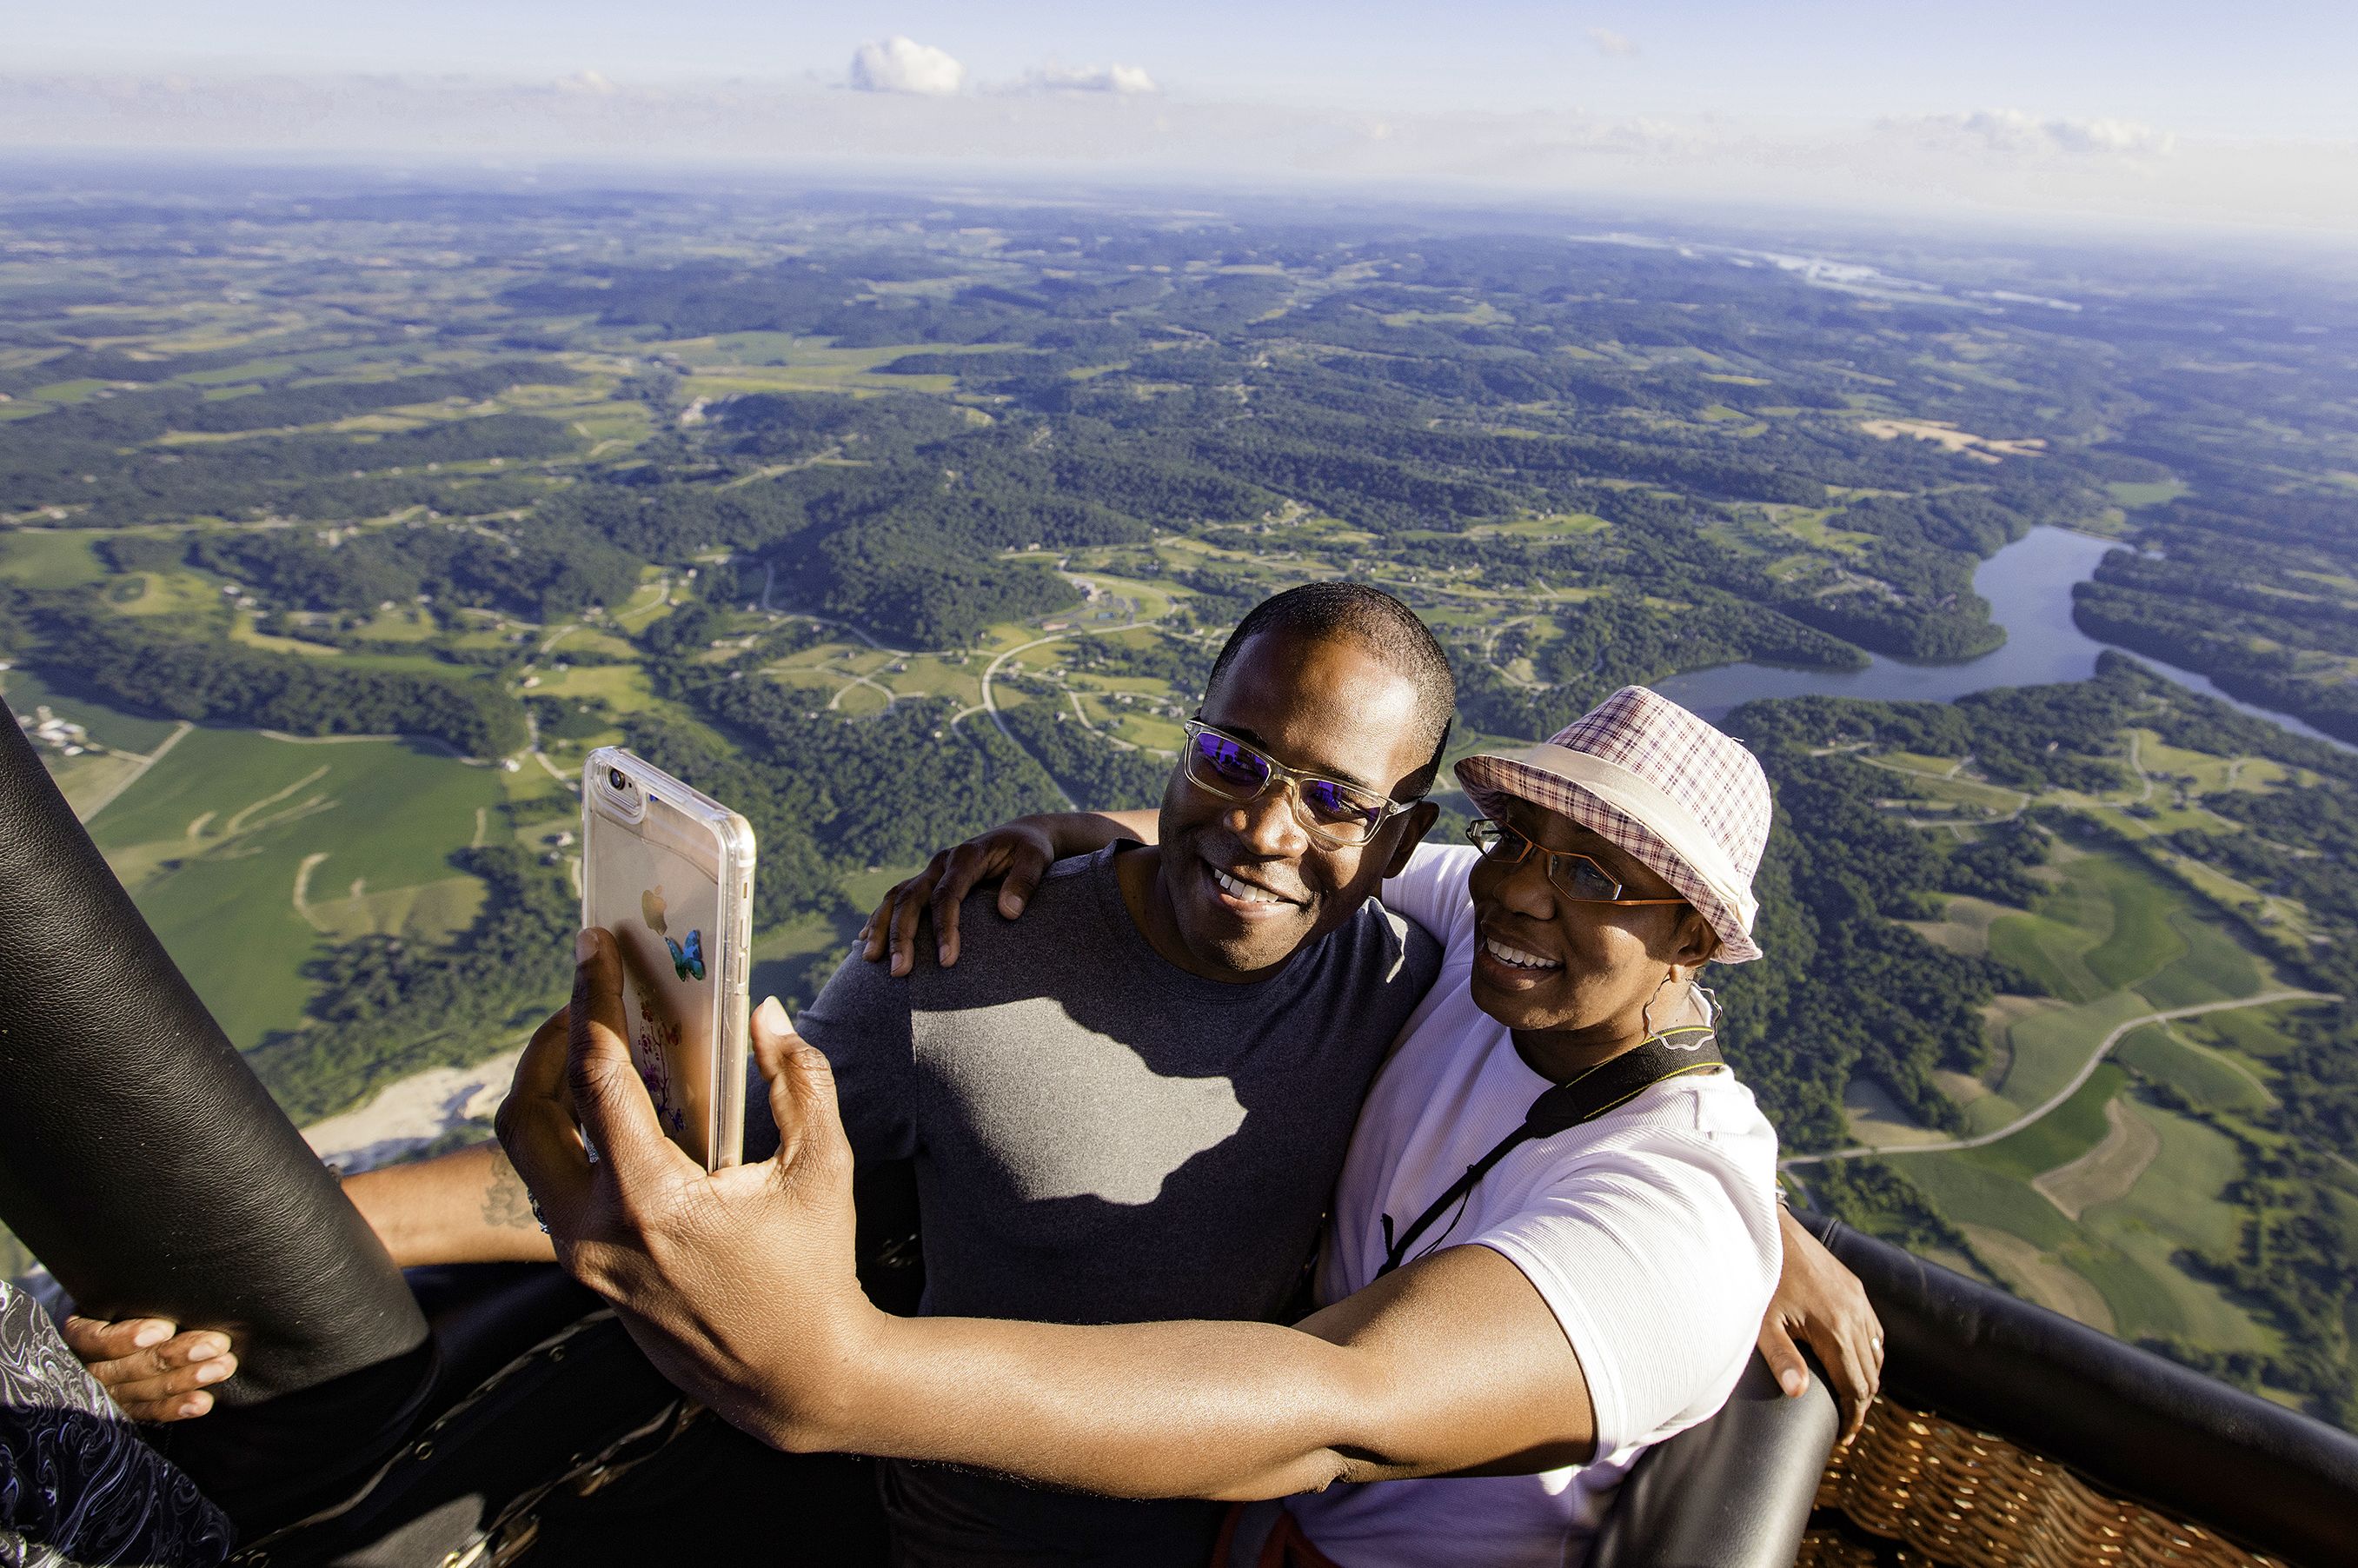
[(619, 779)]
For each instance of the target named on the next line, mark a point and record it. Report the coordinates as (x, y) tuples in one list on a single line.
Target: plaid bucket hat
[(1685, 799)]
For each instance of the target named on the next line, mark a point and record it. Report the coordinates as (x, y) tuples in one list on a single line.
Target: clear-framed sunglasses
[(1333, 813), (1578, 877)]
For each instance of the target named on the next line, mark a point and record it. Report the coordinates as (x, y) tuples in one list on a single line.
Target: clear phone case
[(669, 872)]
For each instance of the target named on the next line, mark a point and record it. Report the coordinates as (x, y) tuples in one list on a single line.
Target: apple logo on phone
[(651, 909)]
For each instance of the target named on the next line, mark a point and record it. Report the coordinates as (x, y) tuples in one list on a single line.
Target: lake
[(2028, 586)]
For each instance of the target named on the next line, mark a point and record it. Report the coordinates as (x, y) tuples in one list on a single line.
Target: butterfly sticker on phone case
[(688, 958)]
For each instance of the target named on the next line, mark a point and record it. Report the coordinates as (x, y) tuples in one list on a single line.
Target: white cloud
[(1115, 78), (585, 81), (900, 64), (2112, 136), (2015, 132), (1613, 45)]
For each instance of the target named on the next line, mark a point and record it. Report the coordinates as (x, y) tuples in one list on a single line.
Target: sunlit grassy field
[(41, 557), (215, 839), (2111, 939)]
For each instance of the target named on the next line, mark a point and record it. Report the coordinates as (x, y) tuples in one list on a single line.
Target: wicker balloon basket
[(1916, 1489)]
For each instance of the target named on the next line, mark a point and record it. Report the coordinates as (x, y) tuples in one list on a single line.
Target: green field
[(213, 840), (2211, 1079), (784, 956), (2111, 940), (2062, 1135), (2124, 1249), (2104, 926), (41, 557), (1972, 1194), (2134, 494), (2256, 1033), (2044, 1049), (2112, 924)]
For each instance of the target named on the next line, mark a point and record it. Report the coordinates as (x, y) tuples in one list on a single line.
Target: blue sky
[(2260, 69), (2144, 111)]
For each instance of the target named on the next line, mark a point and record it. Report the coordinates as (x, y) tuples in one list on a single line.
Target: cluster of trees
[(541, 570), (1844, 986), (96, 481), (774, 425), (222, 683), (1187, 667), (2247, 584), (1997, 865), (2031, 738), (1874, 1196), (389, 1008), (902, 577), (828, 794), (1918, 605), (910, 542), (130, 419), (2295, 1263), (655, 518), (792, 875), (1623, 637), (1097, 775), (2245, 654), (2300, 843)]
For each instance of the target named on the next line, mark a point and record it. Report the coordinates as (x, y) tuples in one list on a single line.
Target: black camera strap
[(1672, 1054)]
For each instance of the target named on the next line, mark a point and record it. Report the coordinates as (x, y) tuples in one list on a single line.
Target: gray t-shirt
[(1101, 1137)]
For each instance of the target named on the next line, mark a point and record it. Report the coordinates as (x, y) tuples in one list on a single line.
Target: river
[(2028, 586)]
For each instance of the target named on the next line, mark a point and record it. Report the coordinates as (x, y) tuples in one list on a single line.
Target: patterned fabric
[(77, 1483), (1684, 798)]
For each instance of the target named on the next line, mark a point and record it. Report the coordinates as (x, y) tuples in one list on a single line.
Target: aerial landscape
[(340, 519)]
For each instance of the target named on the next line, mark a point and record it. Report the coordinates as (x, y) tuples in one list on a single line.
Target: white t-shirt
[(1650, 1232)]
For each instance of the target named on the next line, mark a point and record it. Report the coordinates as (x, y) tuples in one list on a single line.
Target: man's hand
[(738, 1283), (1019, 854), (1821, 1302), (151, 1371)]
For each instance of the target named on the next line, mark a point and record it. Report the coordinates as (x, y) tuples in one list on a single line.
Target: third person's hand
[(151, 1371)]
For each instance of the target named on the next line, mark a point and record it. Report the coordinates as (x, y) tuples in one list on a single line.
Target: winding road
[(2087, 1071), (991, 704)]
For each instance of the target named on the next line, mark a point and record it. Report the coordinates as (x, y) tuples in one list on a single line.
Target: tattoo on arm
[(505, 1202)]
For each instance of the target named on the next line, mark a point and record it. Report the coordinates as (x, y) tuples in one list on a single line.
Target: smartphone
[(669, 872)]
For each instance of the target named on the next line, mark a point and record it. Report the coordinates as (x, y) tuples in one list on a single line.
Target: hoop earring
[(1645, 1013)]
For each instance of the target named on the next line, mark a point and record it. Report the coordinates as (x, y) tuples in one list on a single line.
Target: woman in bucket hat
[(1611, 864)]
